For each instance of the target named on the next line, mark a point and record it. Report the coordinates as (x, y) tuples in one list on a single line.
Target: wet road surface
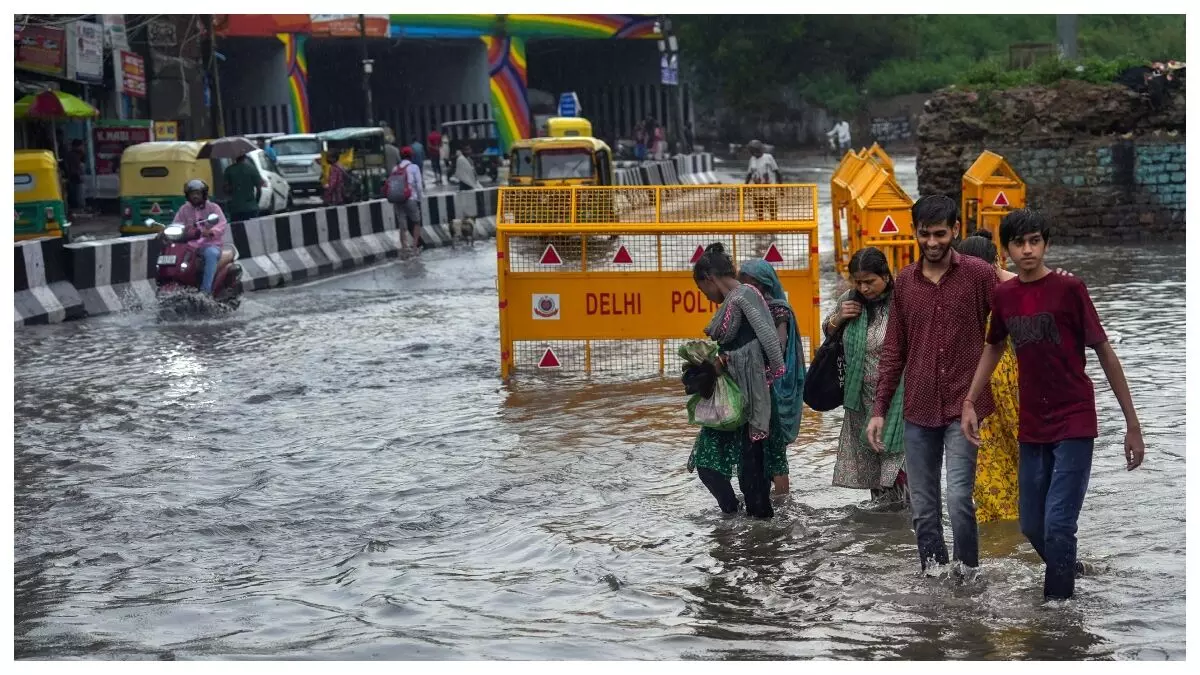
[(338, 472)]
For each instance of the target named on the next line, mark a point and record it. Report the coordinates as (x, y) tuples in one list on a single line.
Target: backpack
[(396, 189)]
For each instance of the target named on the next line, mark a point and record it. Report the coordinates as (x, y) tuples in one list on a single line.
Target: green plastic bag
[(724, 410)]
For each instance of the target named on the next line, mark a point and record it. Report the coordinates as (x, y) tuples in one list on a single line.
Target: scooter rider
[(208, 244)]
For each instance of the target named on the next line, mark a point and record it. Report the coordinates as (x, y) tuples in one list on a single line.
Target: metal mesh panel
[(641, 252), (625, 359), (778, 203), (658, 204)]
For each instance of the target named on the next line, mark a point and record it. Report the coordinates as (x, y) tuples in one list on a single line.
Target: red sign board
[(111, 140), (133, 75), (41, 49)]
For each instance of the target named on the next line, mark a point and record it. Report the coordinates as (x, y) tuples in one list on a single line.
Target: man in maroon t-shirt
[(1050, 320)]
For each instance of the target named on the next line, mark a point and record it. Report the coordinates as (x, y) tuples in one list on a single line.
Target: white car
[(276, 193), (299, 159)]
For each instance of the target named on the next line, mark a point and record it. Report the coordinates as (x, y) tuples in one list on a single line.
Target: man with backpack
[(405, 189)]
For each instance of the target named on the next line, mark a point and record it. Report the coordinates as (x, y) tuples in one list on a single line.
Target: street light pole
[(368, 65), (668, 49)]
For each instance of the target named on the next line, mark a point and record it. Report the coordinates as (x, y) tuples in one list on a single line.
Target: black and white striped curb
[(42, 292)]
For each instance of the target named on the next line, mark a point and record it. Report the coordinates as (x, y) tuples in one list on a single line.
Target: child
[(1050, 319)]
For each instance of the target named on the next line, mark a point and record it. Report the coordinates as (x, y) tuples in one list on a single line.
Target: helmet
[(194, 185)]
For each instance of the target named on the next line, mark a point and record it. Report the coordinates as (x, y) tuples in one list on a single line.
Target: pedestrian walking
[(391, 154), (464, 170), (751, 355), (418, 155), (762, 171), (840, 135), (434, 142), (1050, 319), (405, 188), (861, 317), (243, 185), (935, 332), (787, 392)]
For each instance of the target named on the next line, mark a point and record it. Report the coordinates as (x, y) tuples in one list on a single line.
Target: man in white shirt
[(763, 170), (841, 133), (464, 170)]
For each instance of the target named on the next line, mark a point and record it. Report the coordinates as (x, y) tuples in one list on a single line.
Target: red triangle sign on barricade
[(549, 360), (889, 226), (1001, 200), (155, 209), (773, 255), (696, 256), (622, 257), (550, 256)]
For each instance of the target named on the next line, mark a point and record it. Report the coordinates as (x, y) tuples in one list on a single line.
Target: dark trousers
[(1053, 478), (753, 481), (924, 448)]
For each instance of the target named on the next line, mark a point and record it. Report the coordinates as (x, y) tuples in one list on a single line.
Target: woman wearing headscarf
[(750, 354), (862, 316), (787, 392)]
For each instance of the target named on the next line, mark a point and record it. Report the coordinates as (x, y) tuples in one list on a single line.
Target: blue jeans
[(923, 451), (1053, 478), (211, 255)]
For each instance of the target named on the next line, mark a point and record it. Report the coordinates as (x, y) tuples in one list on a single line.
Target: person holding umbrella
[(243, 184)]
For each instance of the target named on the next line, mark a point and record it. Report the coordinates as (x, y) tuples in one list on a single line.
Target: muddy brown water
[(338, 472)]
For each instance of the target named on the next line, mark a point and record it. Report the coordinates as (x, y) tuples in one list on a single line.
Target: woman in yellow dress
[(999, 454)]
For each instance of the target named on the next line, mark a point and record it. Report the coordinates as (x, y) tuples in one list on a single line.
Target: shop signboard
[(166, 131), (88, 50), (114, 31), (132, 74), (111, 137), (41, 49)]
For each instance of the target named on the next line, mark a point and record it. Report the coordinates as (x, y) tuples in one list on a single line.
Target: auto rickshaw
[(152, 179), (368, 163), (570, 161), (557, 127), (37, 193), (484, 139)]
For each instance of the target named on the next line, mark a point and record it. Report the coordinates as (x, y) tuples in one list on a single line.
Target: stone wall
[(1097, 159)]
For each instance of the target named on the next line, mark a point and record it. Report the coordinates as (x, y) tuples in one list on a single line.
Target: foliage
[(759, 63)]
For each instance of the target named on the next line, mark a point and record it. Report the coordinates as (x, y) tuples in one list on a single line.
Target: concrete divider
[(114, 275), (444, 216), (694, 169), (43, 293)]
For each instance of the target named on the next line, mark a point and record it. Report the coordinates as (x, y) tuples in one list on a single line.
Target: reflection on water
[(338, 472)]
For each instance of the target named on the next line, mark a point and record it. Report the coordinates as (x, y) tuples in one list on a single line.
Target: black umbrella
[(226, 148)]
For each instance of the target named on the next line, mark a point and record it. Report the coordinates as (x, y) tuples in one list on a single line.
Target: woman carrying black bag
[(858, 326)]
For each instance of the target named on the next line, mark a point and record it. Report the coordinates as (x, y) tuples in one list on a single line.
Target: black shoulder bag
[(824, 383)]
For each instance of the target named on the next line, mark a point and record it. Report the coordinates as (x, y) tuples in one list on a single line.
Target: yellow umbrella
[(53, 105)]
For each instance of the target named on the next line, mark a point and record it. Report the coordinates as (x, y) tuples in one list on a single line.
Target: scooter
[(180, 268)]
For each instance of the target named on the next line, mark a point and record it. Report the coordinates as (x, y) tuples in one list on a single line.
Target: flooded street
[(339, 473)]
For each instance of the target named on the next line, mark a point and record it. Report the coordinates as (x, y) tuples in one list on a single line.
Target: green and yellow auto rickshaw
[(37, 193), (368, 168), (152, 180)]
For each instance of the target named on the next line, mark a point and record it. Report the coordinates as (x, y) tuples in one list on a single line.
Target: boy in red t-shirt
[(1050, 320)]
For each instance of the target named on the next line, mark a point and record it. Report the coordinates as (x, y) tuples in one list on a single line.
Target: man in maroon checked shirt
[(935, 336)]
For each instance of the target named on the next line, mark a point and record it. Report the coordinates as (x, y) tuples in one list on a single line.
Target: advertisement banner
[(114, 31), (166, 131), (111, 137), (133, 74), (88, 49), (41, 49)]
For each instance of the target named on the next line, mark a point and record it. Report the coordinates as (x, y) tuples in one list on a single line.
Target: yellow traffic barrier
[(840, 196), (578, 293), (990, 189), (877, 154), (882, 211)]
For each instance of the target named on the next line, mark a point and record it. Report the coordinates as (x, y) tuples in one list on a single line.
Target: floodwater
[(338, 472)]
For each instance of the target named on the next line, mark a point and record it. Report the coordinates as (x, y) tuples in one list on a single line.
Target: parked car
[(277, 192), (299, 159)]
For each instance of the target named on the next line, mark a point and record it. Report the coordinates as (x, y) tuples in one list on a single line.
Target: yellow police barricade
[(876, 154), (599, 278), (990, 189), (839, 197), (880, 210)]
